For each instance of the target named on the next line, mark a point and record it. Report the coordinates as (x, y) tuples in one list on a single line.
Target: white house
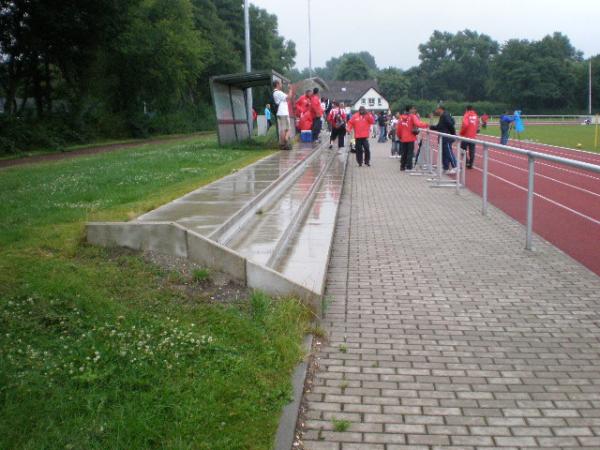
[(357, 93), (372, 100)]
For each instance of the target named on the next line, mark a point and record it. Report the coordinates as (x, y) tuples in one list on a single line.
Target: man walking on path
[(446, 125), (506, 121), (337, 122), (407, 130), (361, 123), (469, 129), (317, 112), (283, 115)]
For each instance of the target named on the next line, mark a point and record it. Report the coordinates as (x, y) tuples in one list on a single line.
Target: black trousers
[(471, 152), (316, 128), (362, 145), (338, 133), (406, 157)]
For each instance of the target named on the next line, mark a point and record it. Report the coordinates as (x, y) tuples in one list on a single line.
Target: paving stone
[(456, 337)]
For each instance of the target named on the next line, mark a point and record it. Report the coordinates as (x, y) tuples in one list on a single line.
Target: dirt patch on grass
[(183, 275), (194, 282)]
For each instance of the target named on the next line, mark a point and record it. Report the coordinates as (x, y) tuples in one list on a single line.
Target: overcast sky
[(391, 30)]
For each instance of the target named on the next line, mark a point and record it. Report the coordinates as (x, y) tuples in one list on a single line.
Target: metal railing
[(567, 118), (427, 167)]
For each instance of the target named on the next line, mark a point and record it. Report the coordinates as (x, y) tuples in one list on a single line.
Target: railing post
[(427, 156), (484, 194), (458, 167), (531, 175), (439, 159), (463, 180)]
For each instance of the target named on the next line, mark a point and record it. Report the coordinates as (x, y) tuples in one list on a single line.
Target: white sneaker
[(451, 171)]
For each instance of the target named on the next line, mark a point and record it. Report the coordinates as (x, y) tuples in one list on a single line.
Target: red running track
[(566, 206)]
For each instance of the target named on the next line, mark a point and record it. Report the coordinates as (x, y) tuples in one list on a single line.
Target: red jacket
[(302, 104), (470, 124), (306, 120), (361, 125), (315, 106), (333, 113), (406, 124)]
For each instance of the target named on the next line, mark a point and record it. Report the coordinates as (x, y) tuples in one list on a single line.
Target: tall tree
[(353, 67), (457, 65), (539, 75), (393, 84), (159, 56)]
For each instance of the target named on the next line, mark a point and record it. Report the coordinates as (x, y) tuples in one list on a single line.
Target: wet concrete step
[(264, 237), (207, 208), (306, 257)]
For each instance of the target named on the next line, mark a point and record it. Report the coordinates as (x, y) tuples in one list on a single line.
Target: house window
[(371, 101), (379, 101), (363, 101)]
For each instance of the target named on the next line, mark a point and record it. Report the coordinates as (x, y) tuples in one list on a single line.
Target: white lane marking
[(560, 205), (544, 176), (593, 156), (522, 158)]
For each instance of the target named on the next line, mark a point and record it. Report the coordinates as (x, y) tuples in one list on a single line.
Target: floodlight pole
[(310, 71), (248, 65), (590, 88)]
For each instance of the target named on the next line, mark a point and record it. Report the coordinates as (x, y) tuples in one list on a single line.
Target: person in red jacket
[(361, 124), (303, 103), (303, 111), (337, 120), (317, 112), (484, 120), (469, 129), (407, 130)]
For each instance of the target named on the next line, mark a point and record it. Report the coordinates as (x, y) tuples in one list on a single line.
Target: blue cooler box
[(306, 136)]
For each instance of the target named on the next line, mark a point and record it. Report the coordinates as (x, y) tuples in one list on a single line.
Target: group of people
[(404, 128)]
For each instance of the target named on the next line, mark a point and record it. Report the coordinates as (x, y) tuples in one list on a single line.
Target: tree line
[(95, 68), (545, 76), (114, 68)]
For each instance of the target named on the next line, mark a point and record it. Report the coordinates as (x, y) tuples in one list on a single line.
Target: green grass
[(560, 135), (98, 348), (201, 275)]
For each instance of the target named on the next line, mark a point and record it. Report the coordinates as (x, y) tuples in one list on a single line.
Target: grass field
[(98, 348), (560, 135)]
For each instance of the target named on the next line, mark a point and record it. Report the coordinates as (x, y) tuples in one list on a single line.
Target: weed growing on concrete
[(340, 425)]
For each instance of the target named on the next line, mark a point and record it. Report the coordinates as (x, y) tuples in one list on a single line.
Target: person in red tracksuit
[(337, 120), (303, 111), (361, 124), (469, 129), (407, 130), (317, 113)]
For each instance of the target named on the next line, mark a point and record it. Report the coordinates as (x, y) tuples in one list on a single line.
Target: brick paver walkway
[(445, 333)]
